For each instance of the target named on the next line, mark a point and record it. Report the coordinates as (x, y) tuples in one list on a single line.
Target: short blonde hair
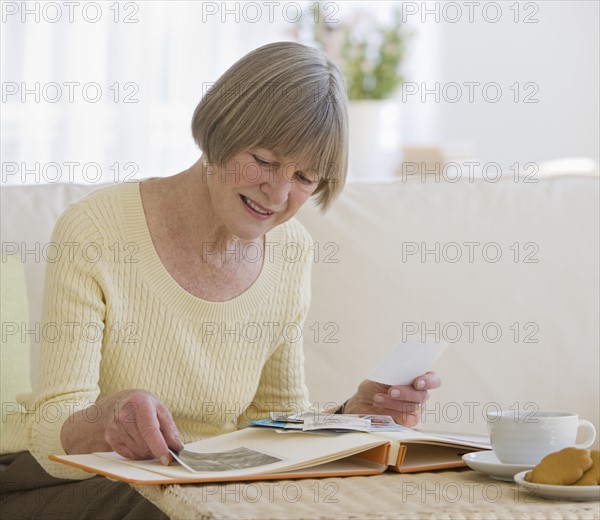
[(288, 98)]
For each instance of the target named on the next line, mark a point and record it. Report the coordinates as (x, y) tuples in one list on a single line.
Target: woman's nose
[(277, 188)]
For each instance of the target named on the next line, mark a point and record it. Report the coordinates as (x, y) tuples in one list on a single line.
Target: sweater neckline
[(162, 284)]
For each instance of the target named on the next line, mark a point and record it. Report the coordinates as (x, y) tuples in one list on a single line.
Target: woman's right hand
[(134, 423), (139, 426)]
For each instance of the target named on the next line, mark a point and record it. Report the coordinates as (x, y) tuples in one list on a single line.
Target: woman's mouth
[(256, 209)]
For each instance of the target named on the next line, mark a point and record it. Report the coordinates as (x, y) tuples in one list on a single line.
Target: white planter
[(375, 139)]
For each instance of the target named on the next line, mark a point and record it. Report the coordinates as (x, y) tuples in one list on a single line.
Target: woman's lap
[(27, 492)]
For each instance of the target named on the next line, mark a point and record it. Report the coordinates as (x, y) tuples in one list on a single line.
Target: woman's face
[(256, 190)]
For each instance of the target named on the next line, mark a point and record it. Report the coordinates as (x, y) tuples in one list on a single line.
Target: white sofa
[(510, 267)]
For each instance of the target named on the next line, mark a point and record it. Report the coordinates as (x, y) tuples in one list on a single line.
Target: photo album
[(298, 446)]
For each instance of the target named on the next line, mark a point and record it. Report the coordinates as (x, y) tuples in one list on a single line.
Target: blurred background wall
[(103, 91)]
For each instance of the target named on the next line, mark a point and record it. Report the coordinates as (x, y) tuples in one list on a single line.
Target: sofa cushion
[(28, 217), (507, 272), (376, 275), (14, 353)]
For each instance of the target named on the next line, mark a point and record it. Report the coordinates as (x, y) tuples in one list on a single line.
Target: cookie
[(592, 476), (561, 468)]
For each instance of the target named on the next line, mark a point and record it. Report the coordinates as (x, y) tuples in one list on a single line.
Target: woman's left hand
[(402, 402)]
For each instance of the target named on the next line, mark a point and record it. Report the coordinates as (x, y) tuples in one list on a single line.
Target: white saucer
[(558, 492), (487, 463)]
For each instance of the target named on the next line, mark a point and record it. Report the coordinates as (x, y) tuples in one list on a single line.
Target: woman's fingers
[(427, 381), (168, 428), (407, 419), (124, 451), (402, 415), (403, 402), (405, 406), (126, 439), (142, 427), (149, 430)]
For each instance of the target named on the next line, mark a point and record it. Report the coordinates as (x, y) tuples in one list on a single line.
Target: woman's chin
[(252, 231)]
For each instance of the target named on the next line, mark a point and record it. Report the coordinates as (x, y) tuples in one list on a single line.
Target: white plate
[(487, 463), (558, 492)]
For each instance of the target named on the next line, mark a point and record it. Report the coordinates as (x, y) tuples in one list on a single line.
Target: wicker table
[(459, 494)]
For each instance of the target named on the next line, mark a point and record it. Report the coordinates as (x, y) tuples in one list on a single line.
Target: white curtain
[(103, 91)]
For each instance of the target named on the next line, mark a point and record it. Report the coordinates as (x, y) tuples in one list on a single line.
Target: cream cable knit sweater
[(113, 318)]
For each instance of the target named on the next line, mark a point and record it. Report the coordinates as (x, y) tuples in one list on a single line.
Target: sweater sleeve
[(71, 333), (282, 385)]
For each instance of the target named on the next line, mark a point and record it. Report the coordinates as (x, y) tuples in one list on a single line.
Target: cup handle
[(587, 425)]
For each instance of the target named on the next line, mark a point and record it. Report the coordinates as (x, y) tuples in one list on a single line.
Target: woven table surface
[(459, 494)]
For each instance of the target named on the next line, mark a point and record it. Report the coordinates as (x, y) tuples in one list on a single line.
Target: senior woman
[(156, 356)]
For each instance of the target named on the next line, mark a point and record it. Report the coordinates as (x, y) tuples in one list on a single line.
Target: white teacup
[(524, 437)]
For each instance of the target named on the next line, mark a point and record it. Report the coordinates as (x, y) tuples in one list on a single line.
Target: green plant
[(370, 54)]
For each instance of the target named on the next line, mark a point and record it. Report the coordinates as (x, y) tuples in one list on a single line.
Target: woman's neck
[(185, 198)]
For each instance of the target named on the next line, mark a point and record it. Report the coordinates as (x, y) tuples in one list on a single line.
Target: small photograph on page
[(238, 458), (384, 423)]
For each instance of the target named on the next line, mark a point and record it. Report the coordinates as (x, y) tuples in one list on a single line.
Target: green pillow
[(14, 350)]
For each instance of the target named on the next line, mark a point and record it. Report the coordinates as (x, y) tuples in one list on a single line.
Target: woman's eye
[(303, 179), (260, 161)]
